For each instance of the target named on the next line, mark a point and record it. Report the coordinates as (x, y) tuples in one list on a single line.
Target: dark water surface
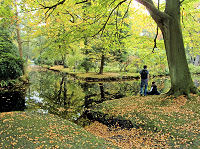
[(59, 94)]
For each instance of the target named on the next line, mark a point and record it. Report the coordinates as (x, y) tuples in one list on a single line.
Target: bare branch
[(155, 43)]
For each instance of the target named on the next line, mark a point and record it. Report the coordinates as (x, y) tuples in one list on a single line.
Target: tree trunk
[(102, 64), (169, 23), (19, 41), (181, 81), (64, 61)]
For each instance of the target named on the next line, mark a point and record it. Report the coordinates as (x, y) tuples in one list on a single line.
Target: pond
[(62, 95)]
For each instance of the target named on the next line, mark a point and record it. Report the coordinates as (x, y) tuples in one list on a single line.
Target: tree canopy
[(121, 33)]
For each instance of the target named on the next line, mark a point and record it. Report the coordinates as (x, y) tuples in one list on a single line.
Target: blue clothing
[(144, 83)]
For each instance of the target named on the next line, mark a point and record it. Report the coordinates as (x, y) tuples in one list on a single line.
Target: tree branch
[(155, 43), (53, 6), (181, 2), (126, 11), (102, 29), (81, 2), (155, 13)]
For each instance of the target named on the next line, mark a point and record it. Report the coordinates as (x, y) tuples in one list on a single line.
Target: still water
[(62, 95)]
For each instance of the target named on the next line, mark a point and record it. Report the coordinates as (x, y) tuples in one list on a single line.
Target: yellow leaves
[(40, 147), (13, 143), (5, 120), (61, 109), (132, 138)]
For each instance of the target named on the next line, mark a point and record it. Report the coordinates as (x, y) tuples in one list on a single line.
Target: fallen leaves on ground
[(164, 122), (36, 130)]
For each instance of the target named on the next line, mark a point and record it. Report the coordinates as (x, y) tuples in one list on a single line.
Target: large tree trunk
[(169, 23), (181, 81)]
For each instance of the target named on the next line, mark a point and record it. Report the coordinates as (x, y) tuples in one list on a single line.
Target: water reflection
[(62, 95), (59, 94)]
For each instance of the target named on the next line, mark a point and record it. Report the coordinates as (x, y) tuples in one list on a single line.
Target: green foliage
[(194, 69), (6, 44), (87, 64), (44, 60), (10, 66)]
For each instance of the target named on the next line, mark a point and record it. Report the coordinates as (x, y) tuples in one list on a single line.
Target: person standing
[(144, 74)]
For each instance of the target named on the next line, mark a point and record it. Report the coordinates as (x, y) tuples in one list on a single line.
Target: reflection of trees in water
[(68, 98)]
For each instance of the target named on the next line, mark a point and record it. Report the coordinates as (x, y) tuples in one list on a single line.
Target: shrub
[(87, 64), (194, 69), (10, 66), (44, 61)]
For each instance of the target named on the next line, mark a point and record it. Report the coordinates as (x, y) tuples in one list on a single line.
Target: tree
[(19, 41), (169, 23)]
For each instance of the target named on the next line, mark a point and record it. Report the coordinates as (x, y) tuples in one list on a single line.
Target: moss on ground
[(35, 130), (168, 122)]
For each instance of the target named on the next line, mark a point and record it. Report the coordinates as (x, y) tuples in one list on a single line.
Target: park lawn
[(93, 76), (160, 122), (35, 130), (60, 68)]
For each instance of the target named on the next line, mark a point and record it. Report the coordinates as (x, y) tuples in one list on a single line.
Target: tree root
[(175, 92)]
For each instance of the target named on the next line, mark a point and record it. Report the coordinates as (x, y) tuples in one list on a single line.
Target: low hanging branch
[(155, 43)]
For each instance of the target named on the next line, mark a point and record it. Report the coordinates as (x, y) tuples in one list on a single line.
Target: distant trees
[(91, 19)]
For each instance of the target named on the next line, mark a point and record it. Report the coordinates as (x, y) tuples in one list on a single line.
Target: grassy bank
[(93, 76), (161, 122), (34, 130)]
